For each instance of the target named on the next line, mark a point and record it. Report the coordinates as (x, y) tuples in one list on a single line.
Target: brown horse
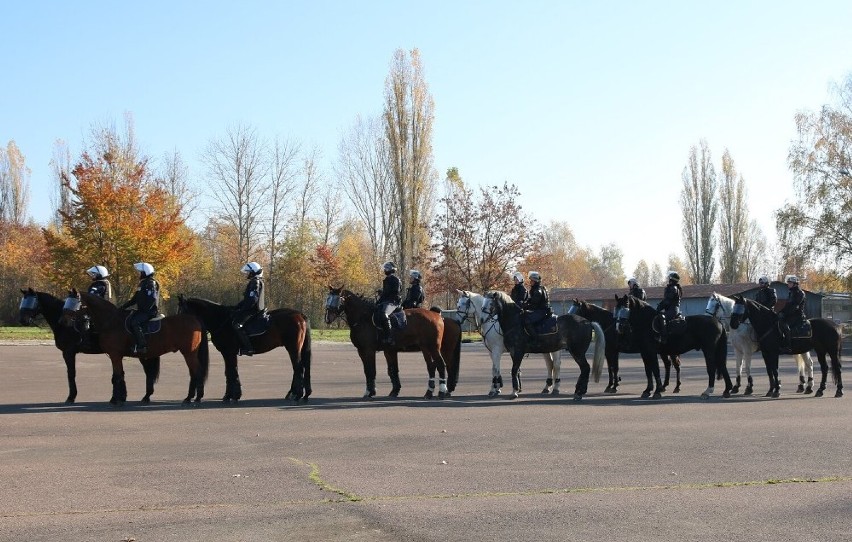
[(183, 332), (437, 338)]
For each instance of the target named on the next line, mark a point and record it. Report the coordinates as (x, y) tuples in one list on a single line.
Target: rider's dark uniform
[(389, 300), (252, 303), (414, 297), (793, 312), (767, 297), (519, 294), (638, 292), (147, 299), (537, 305)]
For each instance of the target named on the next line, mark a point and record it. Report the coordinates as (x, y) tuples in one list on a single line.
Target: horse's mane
[(97, 301), (202, 300), (503, 296), (592, 305), (639, 303)]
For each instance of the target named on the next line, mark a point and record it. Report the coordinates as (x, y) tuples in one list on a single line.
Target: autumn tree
[(408, 116), (733, 223), (480, 239), (607, 269), (118, 216), (817, 226), (682, 269), (642, 273), (700, 209), (561, 258), (14, 185)]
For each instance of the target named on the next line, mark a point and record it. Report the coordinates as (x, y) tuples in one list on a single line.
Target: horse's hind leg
[(119, 386), (440, 364), (516, 375), (585, 370), (233, 387), (496, 378), (676, 363), (392, 359), (151, 366), (548, 363), (667, 363), (196, 382), (747, 363), (70, 357)]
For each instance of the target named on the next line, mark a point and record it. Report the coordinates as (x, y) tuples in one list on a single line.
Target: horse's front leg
[(582, 385), (548, 363), (368, 359), (151, 366), (119, 387), (233, 387), (823, 365), (517, 357), (196, 381), (70, 357), (496, 378), (297, 386), (676, 363), (441, 365), (667, 363), (392, 360)]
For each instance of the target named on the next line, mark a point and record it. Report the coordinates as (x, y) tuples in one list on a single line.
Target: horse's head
[(71, 308), (713, 305), (333, 304), (29, 307), (491, 304), (739, 314), (577, 307), (465, 307)]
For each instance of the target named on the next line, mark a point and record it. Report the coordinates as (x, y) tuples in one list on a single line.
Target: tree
[(699, 206), (237, 169), (754, 259), (677, 265), (607, 269), (656, 277), (642, 273), (818, 225), (60, 197), (118, 216), (479, 240), (408, 116), (282, 185), (560, 258), (14, 185), (733, 223)]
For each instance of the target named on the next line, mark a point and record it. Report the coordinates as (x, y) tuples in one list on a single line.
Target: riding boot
[(246, 348), (386, 329), (141, 346)]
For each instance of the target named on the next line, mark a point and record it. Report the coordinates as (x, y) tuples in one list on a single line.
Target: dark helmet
[(389, 267), (673, 276)]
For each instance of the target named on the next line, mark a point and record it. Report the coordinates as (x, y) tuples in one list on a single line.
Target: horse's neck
[(51, 309), (600, 315), (357, 309), (477, 302), (759, 317)]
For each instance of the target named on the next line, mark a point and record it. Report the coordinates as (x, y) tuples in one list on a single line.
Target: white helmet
[(535, 275), (631, 282), (763, 280), (415, 274), (145, 268), (792, 278), (518, 276), (252, 269), (389, 267), (97, 272)]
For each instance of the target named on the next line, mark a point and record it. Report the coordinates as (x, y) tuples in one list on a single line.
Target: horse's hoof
[(578, 397), (442, 394), (394, 393), (705, 396), (776, 394), (514, 395), (664, 388), (555, 391), (69, 400), (657, 395), (428, 394), (726, 394), (545, 391), (113, 401), (146, 400), (838, 393), (809, 390), (646, 394), (677, 389), (800, 389), (768, 394), (735, 389), (818, 393), (493, 393), (608, 389), (187, 401)]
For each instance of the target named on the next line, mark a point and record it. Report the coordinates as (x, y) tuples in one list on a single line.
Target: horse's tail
[(721, 354), (306, 348), (835, 367), (203, 353), (800, 363), (600, 350), (453, 365)]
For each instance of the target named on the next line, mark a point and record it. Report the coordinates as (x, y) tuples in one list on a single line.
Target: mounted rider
[(793, 313), (147, 301), (414, 296), (635, 290), (252, 303), (519, 292), (669, 307), (388, 301), (766, 295), (100, 287), (537, 305)]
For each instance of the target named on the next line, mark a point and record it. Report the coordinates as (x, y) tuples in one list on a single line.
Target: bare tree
[(700, 208), (754, 258), (733, 223), (408, 117), (237, 167), (172, 177), (332, 213), (364, 176), (14, 185), (282, 185), (60, 196)]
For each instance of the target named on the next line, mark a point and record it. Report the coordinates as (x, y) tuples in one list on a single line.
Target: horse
[(573, 333), (438, 338), (182, 332), (605, 318), (469, 307), (825, 339), (745, 344), (287, 327), (702, 332), (69, 340)]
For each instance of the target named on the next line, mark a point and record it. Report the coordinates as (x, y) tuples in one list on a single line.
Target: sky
[(590, 108)]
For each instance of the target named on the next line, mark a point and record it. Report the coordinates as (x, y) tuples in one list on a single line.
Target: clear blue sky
[(589, 107)]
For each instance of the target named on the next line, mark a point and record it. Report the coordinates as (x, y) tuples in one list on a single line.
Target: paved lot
[(468, 468)]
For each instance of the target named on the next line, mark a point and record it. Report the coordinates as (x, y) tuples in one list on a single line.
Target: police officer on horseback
[(635, 290), (147, 300), (766, 295), (100, 287), (414, 295), (519, 291), (252, 303), (388, 301), (793, 312), (537, 305), (669, 307)]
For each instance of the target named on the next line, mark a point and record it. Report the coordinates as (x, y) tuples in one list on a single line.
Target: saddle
[(397, 318), (148, 328), (548, 326), (665, 329), (258, 324), (802, 330)]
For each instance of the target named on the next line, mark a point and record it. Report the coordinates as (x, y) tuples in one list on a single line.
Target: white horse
[(745, 344), (469, 307)]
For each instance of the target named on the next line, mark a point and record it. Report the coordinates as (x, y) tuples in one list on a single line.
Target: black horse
[(70, 342), (825, 339), (438, 338), (287, 327), (614, 345), (701, 332), (573, 333)]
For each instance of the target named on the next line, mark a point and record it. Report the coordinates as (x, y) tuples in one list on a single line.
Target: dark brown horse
[(182, 332), (69, 340), (287, 327), (439, 339)]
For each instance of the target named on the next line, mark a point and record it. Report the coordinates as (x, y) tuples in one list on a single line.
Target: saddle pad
[(398, 319), (802, 331), (257, 324), (547, 326)]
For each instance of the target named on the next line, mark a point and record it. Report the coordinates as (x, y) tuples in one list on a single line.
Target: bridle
[(334, 306)]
